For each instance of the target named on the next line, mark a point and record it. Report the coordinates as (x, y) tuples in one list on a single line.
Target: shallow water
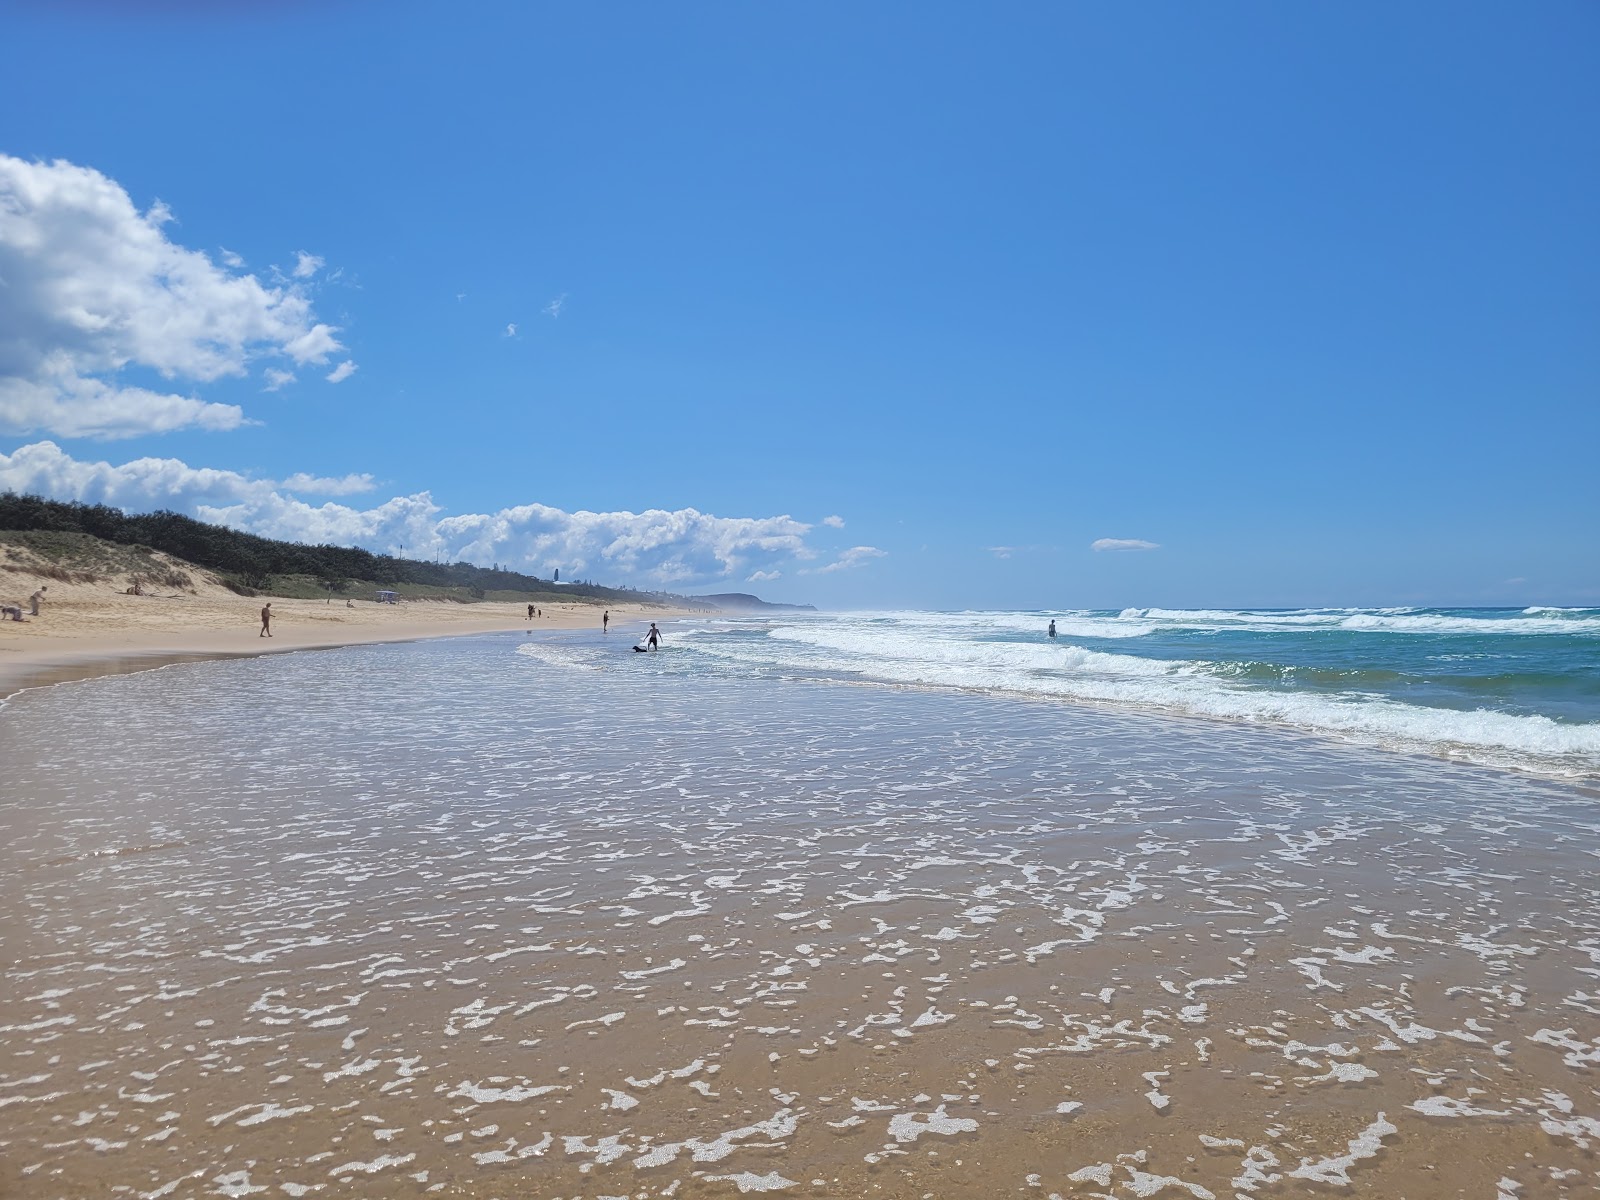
[(495, 917), (1513, 688)]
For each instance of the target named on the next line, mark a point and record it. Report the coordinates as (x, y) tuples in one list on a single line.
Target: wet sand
[(78, 638), (583, 941)]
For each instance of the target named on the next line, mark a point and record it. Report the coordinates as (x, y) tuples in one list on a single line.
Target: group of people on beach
[(652, 638), (14, 611)]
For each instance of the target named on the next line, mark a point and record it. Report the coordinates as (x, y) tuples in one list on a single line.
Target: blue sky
[(1304, 296)]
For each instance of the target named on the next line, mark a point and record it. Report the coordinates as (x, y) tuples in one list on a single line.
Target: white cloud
[(276, 379), (342, 372), (856, 556), (321, 485), (1001, 551), (833, 522), (763, 576), (229, 258), (77, 406), (678, 549), (553, 309), (93, 287), (511, 329), (145, 483), (306, 265), (1123, 544)]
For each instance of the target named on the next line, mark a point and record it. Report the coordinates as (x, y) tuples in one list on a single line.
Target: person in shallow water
[(605, 621), (653, 638), (1052, 629)]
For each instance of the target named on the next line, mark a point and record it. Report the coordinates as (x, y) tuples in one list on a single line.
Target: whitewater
[(1511, 688)]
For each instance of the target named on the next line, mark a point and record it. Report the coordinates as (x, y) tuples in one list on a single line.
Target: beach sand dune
[(95, 627)]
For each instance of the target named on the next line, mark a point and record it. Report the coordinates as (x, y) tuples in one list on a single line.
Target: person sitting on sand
[(35, 598), (266, 620)]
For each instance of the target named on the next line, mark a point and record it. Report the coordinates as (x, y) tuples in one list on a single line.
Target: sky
[(1023, 305)]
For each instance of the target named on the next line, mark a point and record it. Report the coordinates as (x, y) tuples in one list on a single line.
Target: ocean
[(1514, 688), (898, 904)]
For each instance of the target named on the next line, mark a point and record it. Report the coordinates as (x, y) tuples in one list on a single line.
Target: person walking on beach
[(530, 612), (653, 638), (605, 621), (266, 620), (36, 598), (1052, 628)]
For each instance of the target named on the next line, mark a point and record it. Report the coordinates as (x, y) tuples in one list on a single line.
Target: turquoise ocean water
[(1516, 688)]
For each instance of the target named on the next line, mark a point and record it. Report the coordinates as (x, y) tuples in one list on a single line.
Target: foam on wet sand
[(520, 930)]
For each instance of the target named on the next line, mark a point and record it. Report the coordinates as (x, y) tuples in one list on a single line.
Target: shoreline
[(48, 658), (533, 930)]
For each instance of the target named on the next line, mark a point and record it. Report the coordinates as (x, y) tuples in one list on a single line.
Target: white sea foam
[(935, 650), (1369, 620)]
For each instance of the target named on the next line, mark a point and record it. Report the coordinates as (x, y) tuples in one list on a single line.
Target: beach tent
[(386, 597)]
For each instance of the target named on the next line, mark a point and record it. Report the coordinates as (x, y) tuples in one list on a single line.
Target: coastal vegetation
[(97, 540)]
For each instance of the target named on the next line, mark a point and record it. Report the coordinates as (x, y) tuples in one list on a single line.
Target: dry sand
[(89, 629)]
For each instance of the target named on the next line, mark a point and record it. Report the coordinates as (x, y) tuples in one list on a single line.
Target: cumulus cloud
[(276, 379), (306, 265), (45, 469), (64, 402), (342, 372), (94, 287), (835, 522), (856, 556), (322, 485), (1123, 544), (681, 548)]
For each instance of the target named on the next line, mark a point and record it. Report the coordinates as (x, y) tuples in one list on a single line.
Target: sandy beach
[(552, 920), (89, 629)]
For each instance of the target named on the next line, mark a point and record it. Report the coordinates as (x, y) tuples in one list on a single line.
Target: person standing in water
[(605, 621), (1052, 628), (653, 638), (266, 620)]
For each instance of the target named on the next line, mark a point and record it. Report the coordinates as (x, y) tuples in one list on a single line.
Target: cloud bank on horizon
[(658, 548), (94, 288)]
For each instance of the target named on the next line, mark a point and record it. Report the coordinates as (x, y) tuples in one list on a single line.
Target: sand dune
[(89, 627)]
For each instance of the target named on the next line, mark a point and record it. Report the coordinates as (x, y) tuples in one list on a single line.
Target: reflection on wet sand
[(515, 932)]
